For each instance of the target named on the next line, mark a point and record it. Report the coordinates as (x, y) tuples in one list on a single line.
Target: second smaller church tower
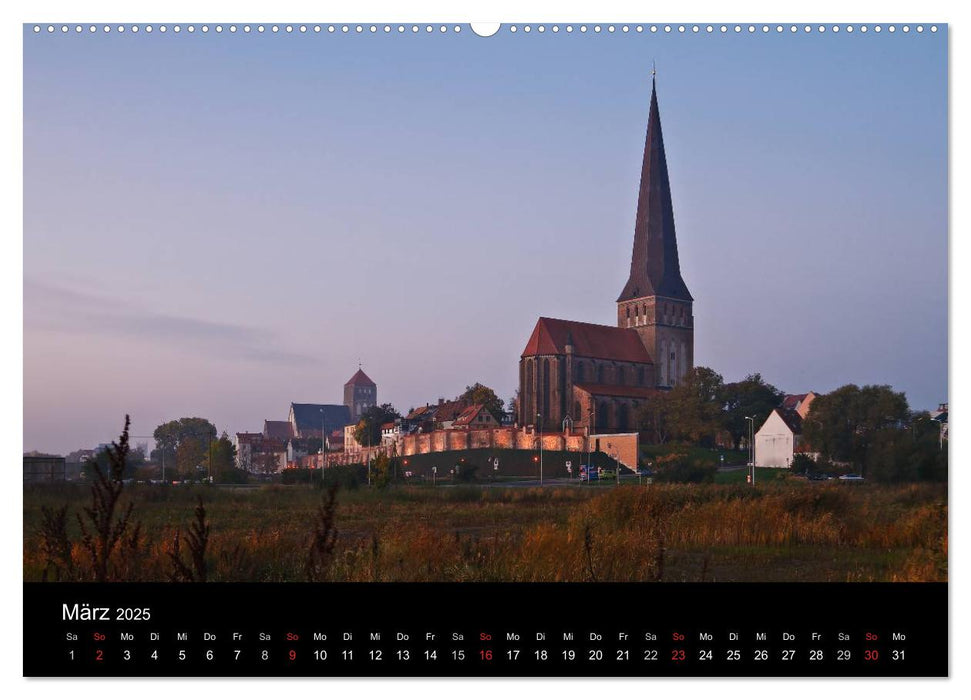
[(360, 394)]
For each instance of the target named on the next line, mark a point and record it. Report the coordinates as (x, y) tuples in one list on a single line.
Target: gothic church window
[(547, 388), (662, 367)]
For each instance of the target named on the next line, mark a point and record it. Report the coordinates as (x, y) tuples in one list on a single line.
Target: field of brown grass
[(775, 532)]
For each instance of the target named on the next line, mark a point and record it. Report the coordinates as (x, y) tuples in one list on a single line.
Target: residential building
[(799, 403), (940, 415), (40, 468), (779, 439), (335, 441), (277, 430), (475, 417), (248, 446), (351, 445), (447, 412), (390, 432)]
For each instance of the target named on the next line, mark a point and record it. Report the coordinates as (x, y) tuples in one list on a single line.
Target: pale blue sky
[(219, 225)]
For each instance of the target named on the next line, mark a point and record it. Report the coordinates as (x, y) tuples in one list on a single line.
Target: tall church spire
[(654, 267)]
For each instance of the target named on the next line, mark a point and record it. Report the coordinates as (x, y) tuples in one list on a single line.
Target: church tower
[(655, 301), (360, 394)]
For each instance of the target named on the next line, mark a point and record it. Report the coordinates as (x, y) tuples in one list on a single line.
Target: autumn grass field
[(785, 531)]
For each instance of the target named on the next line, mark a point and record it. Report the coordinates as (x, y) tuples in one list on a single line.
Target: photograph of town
[(307, 303)]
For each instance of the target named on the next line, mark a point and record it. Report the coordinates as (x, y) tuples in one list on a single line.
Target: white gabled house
[(778, 440)]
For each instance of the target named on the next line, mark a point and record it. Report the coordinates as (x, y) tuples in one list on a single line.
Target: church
[(594, 376)]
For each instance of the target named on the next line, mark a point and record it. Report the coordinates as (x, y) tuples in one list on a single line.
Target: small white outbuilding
[(778, 439)]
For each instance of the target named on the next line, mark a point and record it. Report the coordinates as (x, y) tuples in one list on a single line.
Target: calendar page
[(425, 350)]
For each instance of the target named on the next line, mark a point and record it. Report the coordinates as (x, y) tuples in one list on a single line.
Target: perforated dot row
[(443, 29), (251, 28), (722, 28)]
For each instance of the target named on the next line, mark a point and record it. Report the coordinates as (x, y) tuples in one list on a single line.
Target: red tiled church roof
[(631, 392), (552, 335), (360, 379)]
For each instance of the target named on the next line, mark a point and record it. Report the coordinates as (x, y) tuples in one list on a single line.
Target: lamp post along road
[(209, 436), (589, 447), (751, 447), (539, 422)]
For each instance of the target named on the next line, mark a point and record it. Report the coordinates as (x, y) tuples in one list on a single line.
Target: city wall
[(621, 446)]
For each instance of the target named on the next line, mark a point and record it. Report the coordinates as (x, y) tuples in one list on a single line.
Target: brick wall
[(623, 444)]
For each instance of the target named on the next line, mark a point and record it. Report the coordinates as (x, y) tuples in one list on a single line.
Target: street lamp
[(589, 432), (613, 454), (539, 422), (209, 436), (751, 446)]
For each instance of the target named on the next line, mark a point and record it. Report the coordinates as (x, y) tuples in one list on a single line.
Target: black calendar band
[(486, 629)]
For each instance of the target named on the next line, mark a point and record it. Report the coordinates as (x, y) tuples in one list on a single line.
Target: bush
[(295, 476), (465, 473), (233, 476), (683, 471), (803, 464), (347, 477)]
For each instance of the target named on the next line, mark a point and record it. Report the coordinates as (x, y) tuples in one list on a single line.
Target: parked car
[(819, 477), (851, 477), (644, 471), (608, 474), (588, 473)]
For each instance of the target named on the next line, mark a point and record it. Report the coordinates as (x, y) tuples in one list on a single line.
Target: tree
[(802, 464), (913, 452), (368, 429), (381, 474), (171, 436), (481, 394), (267, 460), (224, 460), (464, 473), (930, 451), (695, 407), (750, 397), (191, 457), (846, 424), (655, 418), (134, 459)]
